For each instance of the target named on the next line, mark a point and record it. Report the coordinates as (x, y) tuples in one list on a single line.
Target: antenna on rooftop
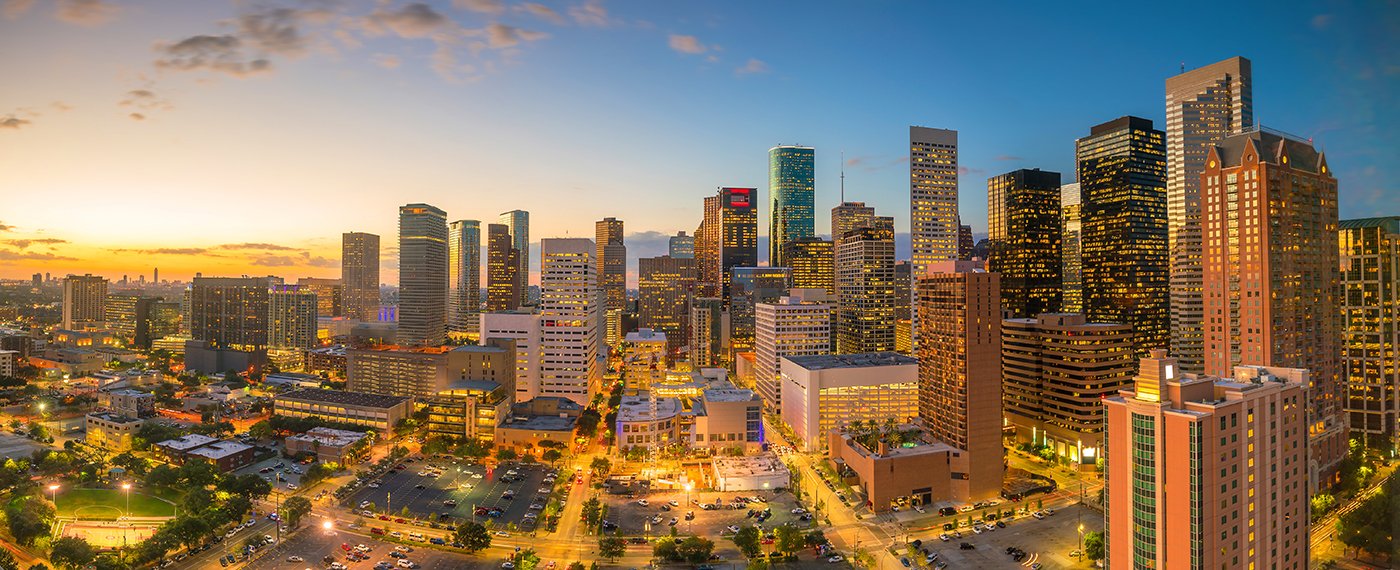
[(843, 177), (1183, 67)]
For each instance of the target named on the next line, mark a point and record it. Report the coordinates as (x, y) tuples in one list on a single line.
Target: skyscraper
[(569, 319), (1122, 184), (1071, 264), (751, 286), (359, 273), (330, 295), (291, 317), (84, 301), (1023, 222), (797, 324), (960, 369), (709, 332), (791, 188), (463, 276), (682, 246), (812, 262), (965, 243), (933, 201), (1370, 262), (849, 216), (707, 249), (1270, 273), (612, 277), (231, 312), (866, 304), (517, 223), (1230, 450), (503, 283), (727, 238), (1204, 105), (422, 275), (665, 286)]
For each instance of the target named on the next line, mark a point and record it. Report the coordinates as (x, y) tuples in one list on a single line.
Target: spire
[(843, 177)]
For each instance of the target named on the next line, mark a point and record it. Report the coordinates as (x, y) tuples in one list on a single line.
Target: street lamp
[(1081, 542), (126, 488), (53, 492), (327, 526), (688, 486)]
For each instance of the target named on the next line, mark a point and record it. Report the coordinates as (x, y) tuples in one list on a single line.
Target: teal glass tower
[(790, 186)]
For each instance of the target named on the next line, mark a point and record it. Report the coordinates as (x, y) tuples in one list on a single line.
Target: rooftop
[(638, 409), (861, 360), (750, 465), (472, 385), (729, 395), (344, 398), (330, 437), (476, 348), (221, 449), (541, 423), (646, 335), (115, 417), (188, 442), (131, 393)]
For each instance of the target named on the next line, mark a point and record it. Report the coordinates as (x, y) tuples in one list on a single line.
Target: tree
[(592, 513), (600, 466), (251, 486), (527, 559), (7, 560), (319, 472), (30, 518), (473, 536), (189, 530), (1093, 545), (611, 548), (575, 565), (198, 474), (747, 541), (788, 538), (505, 454), (70, 552), (198, 500), (695, 549), (294, 508), (1321, 503), (815, 537), (588, 423), (551, 455), (1368, 526), (665, 549)]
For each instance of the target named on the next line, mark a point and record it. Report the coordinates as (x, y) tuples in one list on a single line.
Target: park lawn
[(142, 505)]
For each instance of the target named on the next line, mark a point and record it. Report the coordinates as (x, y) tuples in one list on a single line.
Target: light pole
[(126, 489), (53, 494), (688, 486), (1081, 542)]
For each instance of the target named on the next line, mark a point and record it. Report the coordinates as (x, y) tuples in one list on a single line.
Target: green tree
[(251, 486), (695, 550), (1093, 545), (588, 423), (30, 518), (198, 500), (551, 455), (189, 530), (592, 513), (198, 474), (260, 430), (1321, 503), (665, 549), (815, 537), (575, 565), (788, 538), (473, 536), (7, 560), (1368, 527), (505, 454), (600, 466), (611, 548), (70, 552), (747, 541), (526, 559), (294, 508)]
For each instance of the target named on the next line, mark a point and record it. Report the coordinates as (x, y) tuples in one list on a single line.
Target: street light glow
[(126, 486), (53, 487), (326, 525)]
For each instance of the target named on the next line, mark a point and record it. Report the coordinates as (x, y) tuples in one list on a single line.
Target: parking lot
[(634, 519), (1048, 541), (313, 544), (288, 476), (471, 487)]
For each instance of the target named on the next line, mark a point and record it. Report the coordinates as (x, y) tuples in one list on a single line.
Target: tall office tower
[(798, 324), (865, 271), (1023, 222), (812, 262), (464, 276), (849, 216), (231, 312), (1203, 106), (965, 243), (738, 233), (665, 286), (84, 301), (330, 295), (569, 319), (1071, 265), (1056, 370), (291, 317), (960, 369), (163, 319), (612, 277), (753, 285), (707, 248), (126, 313), (1122, 181), (1230, 450), (359, 274), (791, 188), (523, 329), (1270, 273), (709, 333), (903, 320), (502, 270), (422, 275), (1370, 262), (682, 246), (155, 275), (933, 202), (517, 223)]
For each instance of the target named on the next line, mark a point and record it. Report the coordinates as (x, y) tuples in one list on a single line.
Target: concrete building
[(1233, 453), (1056, 370), (570, 317), (225, 455), (1370, 263), (469, 409), (792, 188), (933, 200), (504, 284), (644, 359), (726, 418), (522, 328), (359, 274), (463, 277), (332, 359), (798, 324), (326, 444), (291, 318), (231, 312), (546, 418), (813, 264), (665, 286), (848, 216), (611, 259), (829, 391), (425, 371), (111, 432), (9, 363), (865, 308), (914, 469), (128, 402), (727, 238), (291, 380), (1024, 226), (709, 332), (754, 473), (681, 246), (749, 287), (330, 295), (1269, 260), (373, 411), (422, 275), (960, 370), (649, 422), (1071, 250), (84, 301), (517, 223)]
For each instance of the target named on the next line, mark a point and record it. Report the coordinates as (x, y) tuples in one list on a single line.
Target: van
[(418, 536)]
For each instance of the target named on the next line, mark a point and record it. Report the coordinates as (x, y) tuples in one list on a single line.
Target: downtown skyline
[(220, 153)]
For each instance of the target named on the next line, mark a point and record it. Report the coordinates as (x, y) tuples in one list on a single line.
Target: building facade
[(791, 188), (291, 317), (503, 279), (813, 262), (359, 273), (84, 301), (569, 320), (1024, 226), (1370, 273), (330, 295), (522, 328), (727, 238), (823, 392), (463, 276), (681, 246), (751, 286), (798, 324), (231, 312), (933, 202), (865, 305), (422, 275), (378, 412), (517, 224), (612, 277), (665, 286), (1071, 250)]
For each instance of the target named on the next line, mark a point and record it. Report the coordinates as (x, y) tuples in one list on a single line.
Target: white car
[(1038, 515), (502, 534), (366, 513), (295, 559), (944, 537), (405, 563), (476, 475), (402, 548), (396, 534), (732, 528), (674, 503), (291, 486), (977, 529), (835, 558), (643, 502)]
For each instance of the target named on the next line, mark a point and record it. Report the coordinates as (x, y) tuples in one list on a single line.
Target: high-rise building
[(1122, 184), (291, 317), (359, 273), (569, 319), (1370, 263), (791, 188), (730, 238), (1270, 273), (812, 261), (960, 369), (422, 275), (1204, 105), (463, 276), (665, 286), (707, 249), (139, 319), (1071, 264), (849, 216), (965, 243), (797, 324), (751, 286), (612, 277), (330, 295), (682, 246), (1023, 222), (84, 301), (1231, 451), (1056, 370), (865, 304), (231, 312), (933, 201), (517, 223), (503, 281), (123, 314), (903, 317), (709, 333), (523, 329)]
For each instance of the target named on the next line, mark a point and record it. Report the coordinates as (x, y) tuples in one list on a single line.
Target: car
[(674, 520), (966, 546), (732, 528), (904, 561), (437, 540), (666, 508), (363, 548), (656, 519), (944, 537), (1001, 524), (397, 554), (405, 563), (508, 565), (376, 530), (1035, 566), (420, 486), (643, 502), (674, 503), (291, 486), (545, 491), (449, 503), (977, 529), (502, 534), (476, 475), (834, 558), (1038, 515), (965, 509), (382, 565), (396, 534), (799, 511), (947, 511), (1050, 512), (402, 548), (400, 521)]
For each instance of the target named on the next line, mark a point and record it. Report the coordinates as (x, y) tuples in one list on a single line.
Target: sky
[(243, 137)]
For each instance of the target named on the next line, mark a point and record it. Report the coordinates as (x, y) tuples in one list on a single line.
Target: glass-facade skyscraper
[(790, 187), (422, 275), (1023, 224), (517, 223), (463, 276)]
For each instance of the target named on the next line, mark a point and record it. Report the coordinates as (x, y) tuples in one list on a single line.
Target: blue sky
[(579, 110)]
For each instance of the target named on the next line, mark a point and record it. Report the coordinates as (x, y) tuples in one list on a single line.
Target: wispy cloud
[(6, 228), (217, 53), (25, 243), (483, 6), (503, 36), (543, 11), (387, 61), (1007, 157), (967, 170), (166, 251), (143, 101), (590, 13), (9, 255), (256, 246), (12, 122), (687, 44), (273, 261), (753, 66), (15, 8), (87, 12)]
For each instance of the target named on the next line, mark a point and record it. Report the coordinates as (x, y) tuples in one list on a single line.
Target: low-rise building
[(754, 473), (326, 444), (326, 359), (132, 403), (291, 380), (544, 418), (9, 363), (111, 431), (647, 421), (727, 418), (828, 391), (226, 455), (373, 411), (468, 409), (132, 378), (903, 465)]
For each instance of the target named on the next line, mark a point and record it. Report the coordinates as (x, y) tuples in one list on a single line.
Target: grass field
[(108, 504)]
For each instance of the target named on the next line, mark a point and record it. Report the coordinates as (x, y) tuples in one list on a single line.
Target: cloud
[(483, 6), (136, 116), (964, 170), (61, 107), (274, 31), (273, 261), (220, 53), (543, 12), (1321, 21), (256, 246), (6, 228), (12, 122), (166, 251), (8, 255), (145, 99), (686, 44), (590, 13), (15, 8), (503, 36), (1007, 157), (87, 12), (411, 21), (753, 66), (318, 261), (386, 61), (25, 243)]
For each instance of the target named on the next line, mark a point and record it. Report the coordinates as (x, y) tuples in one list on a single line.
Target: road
[(1324, 530)]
